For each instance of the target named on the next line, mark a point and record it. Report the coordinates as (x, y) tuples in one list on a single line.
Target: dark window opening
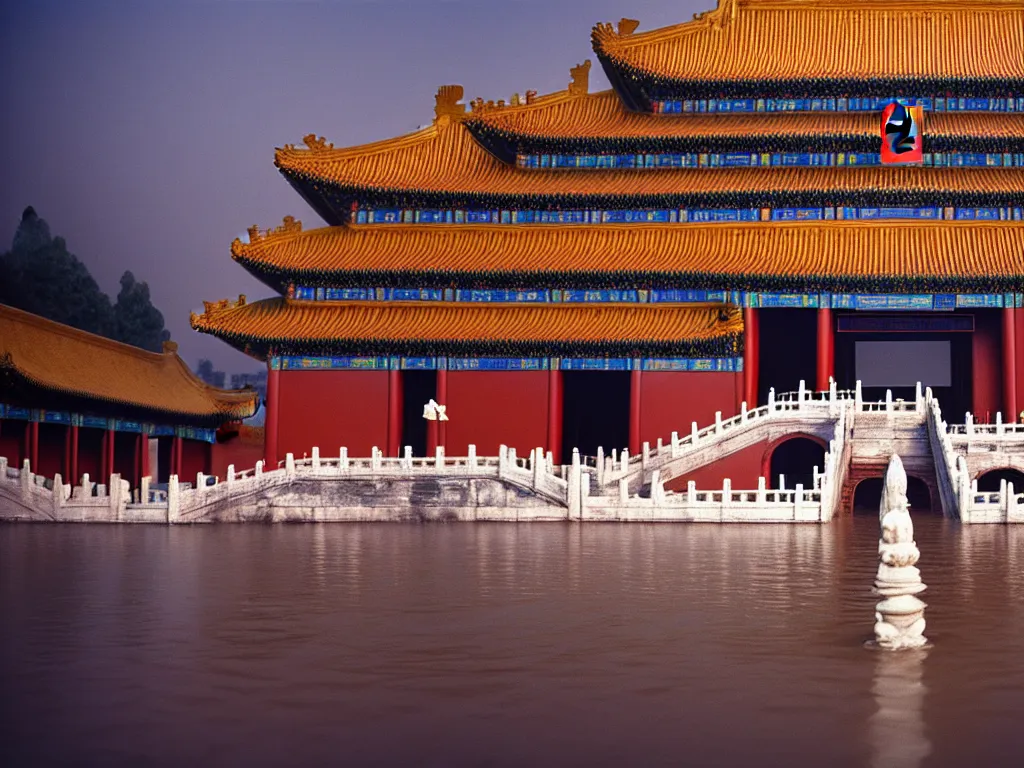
[(418, 387), (595, 412), (788, 342)]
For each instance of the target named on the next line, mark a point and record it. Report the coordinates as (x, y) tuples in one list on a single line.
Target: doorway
[(867, 497), (418, 387), (595, 411), (787, 350), (795, 459)]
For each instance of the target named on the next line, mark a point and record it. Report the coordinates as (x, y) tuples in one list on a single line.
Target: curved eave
[(305, 328), (837, 256), (336, 198)]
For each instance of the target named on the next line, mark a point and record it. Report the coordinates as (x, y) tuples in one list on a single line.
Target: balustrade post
[(1004, 499), (833, 393), (375, 458), (782, 482), (200, 481), (658, 446), (693, 433), (439, 457), (471, 455), (797, 498), (343, 458), (144, 489), (969, 425), (918, 397), (801, 393), (600, 464), (675, 444), (289, 464), (502, 460), (657, 489), (743, 412), (1012, 515), (624, 460), (771, 399), (173, 499), (858, 395), (646, 456), (58, 492), (623, 490), (407, 456), (888, 401), (691, 492), (259, 468), (814, 477), (761, 491), (574, 487), (230, 480), (315, 461), (999, 422), (718, 422)]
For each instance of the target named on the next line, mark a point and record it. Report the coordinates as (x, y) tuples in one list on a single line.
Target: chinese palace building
[(75, 403), (583, 269)]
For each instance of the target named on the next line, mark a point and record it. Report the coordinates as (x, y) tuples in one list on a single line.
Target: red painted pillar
[(751, 356), (634, 411), (104, 467), (270, 422), (395, 407), (1009, 366), (33, 445), (144, 458), (826, 349), (73, 464), (442, 399), (65, 467), (179, 449), (137, 469), (110, 455), (555, 413)]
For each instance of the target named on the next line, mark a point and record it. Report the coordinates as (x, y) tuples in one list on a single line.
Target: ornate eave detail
[(580, 83), (290, 225), (448, 104)]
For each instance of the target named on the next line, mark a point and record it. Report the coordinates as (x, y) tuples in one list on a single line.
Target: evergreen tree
[(136, 320), (41, 276)]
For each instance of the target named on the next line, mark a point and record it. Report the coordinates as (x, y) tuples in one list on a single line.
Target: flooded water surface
[(502, 645)]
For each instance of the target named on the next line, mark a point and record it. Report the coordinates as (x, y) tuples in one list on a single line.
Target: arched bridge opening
[(989, 481), (867, 497), (792, 459)]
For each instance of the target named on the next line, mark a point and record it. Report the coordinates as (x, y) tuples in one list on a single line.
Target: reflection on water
[(502, 645), (897, 732)]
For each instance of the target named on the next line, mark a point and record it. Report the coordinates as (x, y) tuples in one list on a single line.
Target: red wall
[(90, 441), (195, 458), (488, 408), (742, 468), (670, 401), (331, 409), (235, 451), (987, 353)]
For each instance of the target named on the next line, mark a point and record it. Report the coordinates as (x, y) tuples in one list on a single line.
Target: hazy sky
[(144, 131)]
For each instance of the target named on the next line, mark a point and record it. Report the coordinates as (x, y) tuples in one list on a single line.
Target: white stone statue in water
[(899, 618)]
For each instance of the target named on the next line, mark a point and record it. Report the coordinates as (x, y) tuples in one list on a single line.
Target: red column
[(65, 467), (110, 455), (144, 458), (137, 469), (179, 448), (555, 412), (73, 465), (634, 411), (270, 421), (33, 445), (1009, 366), (751, 356), (395, 412), (442, 399), (104, 467), (826, 349)]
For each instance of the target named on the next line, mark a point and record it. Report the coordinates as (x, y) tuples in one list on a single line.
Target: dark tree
[(136, 320), (42, 277)]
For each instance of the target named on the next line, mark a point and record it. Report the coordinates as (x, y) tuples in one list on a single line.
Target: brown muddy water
[(502, 645)]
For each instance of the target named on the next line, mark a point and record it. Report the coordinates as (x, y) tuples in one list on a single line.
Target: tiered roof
[(760, 48), (776, 49), (95, 375)]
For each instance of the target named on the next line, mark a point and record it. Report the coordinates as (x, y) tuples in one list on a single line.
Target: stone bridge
[(859, 436)]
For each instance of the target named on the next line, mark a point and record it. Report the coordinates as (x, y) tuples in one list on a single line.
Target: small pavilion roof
[(474, 329), (888, 255), (109, 376), (444, 166), (813, 40)]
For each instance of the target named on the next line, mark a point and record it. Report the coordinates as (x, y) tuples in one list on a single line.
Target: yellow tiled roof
[(280, 319), (601, 115), (798, 39), (448, 159), (833, 248), (57, 357)]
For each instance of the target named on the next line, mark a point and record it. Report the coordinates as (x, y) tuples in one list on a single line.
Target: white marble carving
[(434, 412), (899, 617)]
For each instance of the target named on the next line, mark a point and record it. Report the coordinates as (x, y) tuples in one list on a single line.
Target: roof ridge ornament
[(289, 225), (580, 85), (627, 26), (316, 143), (448, 104)]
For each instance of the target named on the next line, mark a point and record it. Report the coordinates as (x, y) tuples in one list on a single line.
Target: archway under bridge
[(794, 458), (867, 497), (988, 482)]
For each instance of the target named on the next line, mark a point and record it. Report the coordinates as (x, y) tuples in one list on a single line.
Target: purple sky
[(144, 132)]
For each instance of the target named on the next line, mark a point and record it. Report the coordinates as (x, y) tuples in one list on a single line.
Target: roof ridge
[(364, 150)]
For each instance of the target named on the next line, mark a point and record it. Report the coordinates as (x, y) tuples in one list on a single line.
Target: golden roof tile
[(832, 250), (56, 357), (602, 116), (451, 328), (447, 159), (846, 39)]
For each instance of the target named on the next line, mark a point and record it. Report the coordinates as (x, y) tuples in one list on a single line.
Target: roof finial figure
[(580, 84), (316, 143), (447, 104), (627, 26)]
